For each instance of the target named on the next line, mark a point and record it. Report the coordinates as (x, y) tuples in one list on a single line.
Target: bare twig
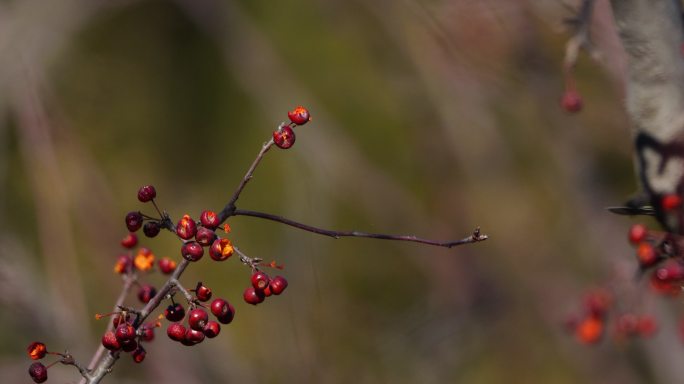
[(581, 37), (475, 237)]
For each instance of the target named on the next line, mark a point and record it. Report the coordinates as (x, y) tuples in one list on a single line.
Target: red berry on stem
[(223, 310), (147, 332), (278, 285), (646, 254), (139, 354), (209, 219), (671, 202), (146, 193), (36, 350), (211, 329), (589, 330), (192, 251), (124, 263), (146, 293), (284, 137), (221, 249), (197, 319), (253, 296), (166, 265), (202, 292), (151, 229), (571, 101), (192, 337), (299, 115), (174, 312), (186, 228), (205, 236), (121, 319), (260, 280), (134, 221), (124, 332), (38, 372), (637, 233), (176, 331), (129, 345), (110, 341), (130, 241)]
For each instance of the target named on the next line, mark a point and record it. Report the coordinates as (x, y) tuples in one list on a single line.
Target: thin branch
[(475, 237), (581, 37), (230, 207)]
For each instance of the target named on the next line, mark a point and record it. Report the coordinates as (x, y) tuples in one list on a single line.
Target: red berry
[(223, 310), (134, 221), (38, 372), (589, 330), (174, 312), (130, 241), (299, 115), (253, 296), (664, 287), (176, 331), (123, 264), (209, 219), (221, 249), (571, 101), (671, 202), (202, 292), (151, 229), (166, 265), (146, 193), (211, 329), (192, 337), (139, 354), (129, 345), (637, 233), (110, 341), (192, 251), (267, 291), (260, 280), (186, 228), (284, 137), (124, 332), (646, 254), (36, 350), (278, 285), (671, 270), (205, 236), (146, 293), (147, 332), (197, 319)]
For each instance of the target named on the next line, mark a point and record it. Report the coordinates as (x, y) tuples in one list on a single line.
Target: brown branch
[(474, 238)]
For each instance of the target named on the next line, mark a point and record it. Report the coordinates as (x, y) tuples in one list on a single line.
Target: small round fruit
[(121, 319), (151, 229), (253, 296), (134, 221), (205, 236), (147, 332), (637, 233), (197, 319), (221, 249), (129, 241), (110, 341), (129, 345), (209, 219), (299, 115), (36, 350), (146, 193), (38, 372), (222, 308), (146, 293), (166, 265), (202, 292), (278, 285), (211, 329), (192, 251), (124, 332), (193, 336), (186, 228), (174, 312), (284, 137), (671, 202), (260, 280), (176, 331), (139, 354), (571, 101)]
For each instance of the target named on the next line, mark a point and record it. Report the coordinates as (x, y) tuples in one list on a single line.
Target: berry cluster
[(129, 327)]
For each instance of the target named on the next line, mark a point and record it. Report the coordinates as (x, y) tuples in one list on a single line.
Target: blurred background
[(429, 118)]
